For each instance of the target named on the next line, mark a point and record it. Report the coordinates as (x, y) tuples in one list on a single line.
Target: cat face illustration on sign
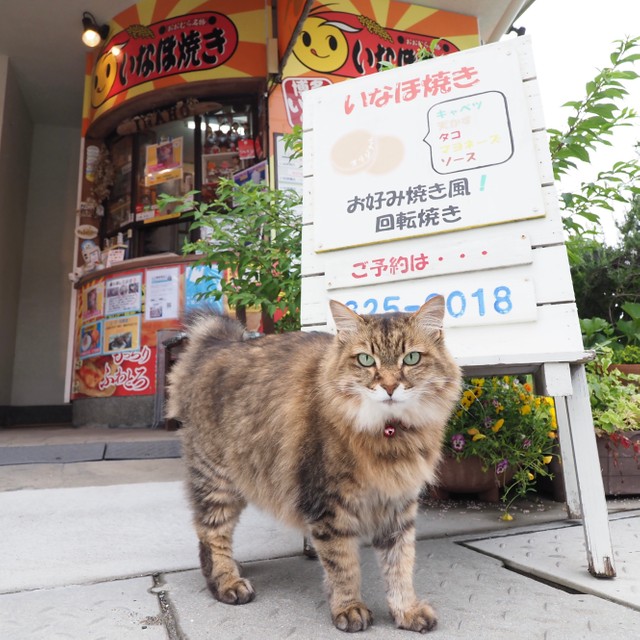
[(350, 45), (104, 77), (322, 45)]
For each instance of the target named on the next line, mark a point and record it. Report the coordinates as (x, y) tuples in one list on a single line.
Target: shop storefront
[(181, 94)]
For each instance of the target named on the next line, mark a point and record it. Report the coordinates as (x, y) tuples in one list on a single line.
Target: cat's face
[(394, 367)]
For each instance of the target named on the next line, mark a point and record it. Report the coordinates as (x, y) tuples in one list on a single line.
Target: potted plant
[(627, 360), (505, 431), (615, 404), (253, 234)]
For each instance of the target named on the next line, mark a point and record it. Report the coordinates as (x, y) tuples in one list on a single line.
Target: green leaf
[(633, 309)]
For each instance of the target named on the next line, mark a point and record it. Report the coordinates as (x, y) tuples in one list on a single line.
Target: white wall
[(47, 259), (15, 147)]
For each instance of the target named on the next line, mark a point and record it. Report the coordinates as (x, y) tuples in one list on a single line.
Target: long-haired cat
[(334, 434)]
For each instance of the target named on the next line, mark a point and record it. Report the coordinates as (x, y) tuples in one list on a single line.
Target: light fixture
[(92, 34)]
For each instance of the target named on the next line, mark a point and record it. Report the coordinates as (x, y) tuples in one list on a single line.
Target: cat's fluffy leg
[(396, 553), (217, 509), (339, 556)]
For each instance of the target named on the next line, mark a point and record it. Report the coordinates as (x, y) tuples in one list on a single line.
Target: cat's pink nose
[(390, 388)]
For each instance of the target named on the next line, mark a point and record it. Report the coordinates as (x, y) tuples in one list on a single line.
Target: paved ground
[(105, 550)]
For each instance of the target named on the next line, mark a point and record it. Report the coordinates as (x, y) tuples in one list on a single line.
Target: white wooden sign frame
[(535, 330)]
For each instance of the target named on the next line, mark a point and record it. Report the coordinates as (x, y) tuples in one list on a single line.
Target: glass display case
[(183, 156)]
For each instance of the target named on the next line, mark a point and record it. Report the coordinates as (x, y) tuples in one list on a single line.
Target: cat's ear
[(430, 315), (346, 320)]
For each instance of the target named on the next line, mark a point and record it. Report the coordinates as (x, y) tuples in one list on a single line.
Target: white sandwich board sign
[(436, 178)]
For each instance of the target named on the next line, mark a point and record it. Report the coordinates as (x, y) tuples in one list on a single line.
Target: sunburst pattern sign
[(162, 43)]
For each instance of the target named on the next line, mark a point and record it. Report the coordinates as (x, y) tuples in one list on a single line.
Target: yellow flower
[(549, 401), (530, 475), (472, 432), (526, 410), (498, 425), (507, 379), (547, 459), (552, 434), (507, 517), (478, 382), (469, 395), (499, 408), (478, 436)]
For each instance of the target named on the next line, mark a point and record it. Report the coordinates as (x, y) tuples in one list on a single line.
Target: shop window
[(175, 158), (119, 208), (228, 146)]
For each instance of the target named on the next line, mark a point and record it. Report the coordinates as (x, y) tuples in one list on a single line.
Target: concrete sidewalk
[(107, 550)]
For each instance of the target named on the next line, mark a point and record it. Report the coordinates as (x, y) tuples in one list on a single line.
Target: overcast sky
[(572, 39)]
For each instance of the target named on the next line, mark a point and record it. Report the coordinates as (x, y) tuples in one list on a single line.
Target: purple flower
[(501, 467), (488, 422), (458, 442), (526, 443)]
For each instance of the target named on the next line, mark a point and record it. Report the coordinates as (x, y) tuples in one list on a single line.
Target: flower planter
[(466, 476), (620, 466), (627, 369)]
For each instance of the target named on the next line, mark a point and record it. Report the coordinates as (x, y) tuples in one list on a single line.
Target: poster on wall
[(288, 170), (116, 355), (121, 334), (93, 301), (91, 339), (199, 280), (161, 293), (256, 174), (163, 162), (122, 373), (123, 294)]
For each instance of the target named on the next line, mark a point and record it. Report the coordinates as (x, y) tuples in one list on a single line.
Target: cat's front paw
[(236, 591), (421, 617), (354, 617)]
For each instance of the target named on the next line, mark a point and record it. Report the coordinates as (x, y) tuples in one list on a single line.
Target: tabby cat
[(334, 434)]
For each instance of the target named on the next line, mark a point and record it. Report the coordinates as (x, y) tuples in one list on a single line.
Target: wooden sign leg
[(582, 473), (572, 495)]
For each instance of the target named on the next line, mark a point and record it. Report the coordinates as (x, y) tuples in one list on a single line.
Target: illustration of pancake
[(363, 151)]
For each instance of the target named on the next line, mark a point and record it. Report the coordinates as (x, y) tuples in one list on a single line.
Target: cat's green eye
[(366, 360), (412, 358)]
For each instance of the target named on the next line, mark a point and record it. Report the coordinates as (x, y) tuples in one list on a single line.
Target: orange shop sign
[(139, 54)]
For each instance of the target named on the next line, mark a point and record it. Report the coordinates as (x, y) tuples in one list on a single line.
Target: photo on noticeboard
[(123, 295), (91, 339), (121, 334), (162, 293), (93, 301)]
